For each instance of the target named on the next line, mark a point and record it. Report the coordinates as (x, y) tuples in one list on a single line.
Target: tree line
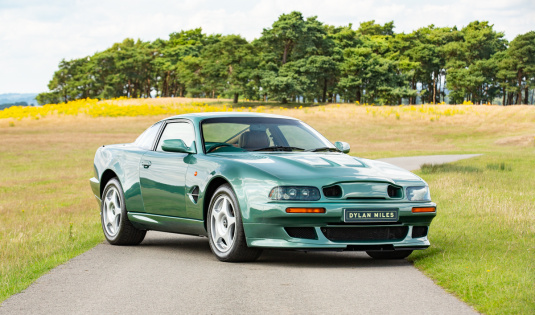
[(304, 60)]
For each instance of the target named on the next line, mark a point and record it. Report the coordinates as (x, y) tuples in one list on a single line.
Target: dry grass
[(377, 132), (47, 209), (49, 214)]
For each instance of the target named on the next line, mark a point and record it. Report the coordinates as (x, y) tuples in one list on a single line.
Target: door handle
[(146, 164)]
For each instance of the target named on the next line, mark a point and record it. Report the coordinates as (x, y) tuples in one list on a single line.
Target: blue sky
[(35, 35)]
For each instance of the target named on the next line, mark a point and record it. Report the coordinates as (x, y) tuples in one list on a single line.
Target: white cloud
[(36, 35)]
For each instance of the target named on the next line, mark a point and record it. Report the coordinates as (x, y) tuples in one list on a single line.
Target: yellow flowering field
[(123, 107), (107, 108)]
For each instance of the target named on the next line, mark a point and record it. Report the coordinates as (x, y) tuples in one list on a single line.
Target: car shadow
[(177, 242), (325, 259), (196, 247)]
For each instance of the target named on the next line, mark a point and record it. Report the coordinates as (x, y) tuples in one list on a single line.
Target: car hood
[(333, 167)]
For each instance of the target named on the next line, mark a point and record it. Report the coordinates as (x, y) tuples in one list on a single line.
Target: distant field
[(483, 237), (171, 100)]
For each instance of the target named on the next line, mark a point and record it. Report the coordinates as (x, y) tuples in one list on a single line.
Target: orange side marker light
[(305, 210), (424, 209)]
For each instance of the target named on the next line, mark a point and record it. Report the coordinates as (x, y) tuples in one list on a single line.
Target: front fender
[(251, 185)]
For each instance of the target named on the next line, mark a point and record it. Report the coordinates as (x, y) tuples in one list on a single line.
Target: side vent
[(394, 192), (194, 194), (332, 191)]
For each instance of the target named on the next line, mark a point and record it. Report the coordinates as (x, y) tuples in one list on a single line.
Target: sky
[(36, 35)]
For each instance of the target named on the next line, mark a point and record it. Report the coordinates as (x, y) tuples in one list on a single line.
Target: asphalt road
[(175, 274)]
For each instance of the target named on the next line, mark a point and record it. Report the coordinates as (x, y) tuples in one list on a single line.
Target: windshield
[(232, 134)]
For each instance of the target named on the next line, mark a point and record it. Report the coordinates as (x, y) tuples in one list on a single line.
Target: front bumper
[(95, 187), (269, 226)]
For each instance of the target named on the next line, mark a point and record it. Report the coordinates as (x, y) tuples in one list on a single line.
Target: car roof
[(205, 115)]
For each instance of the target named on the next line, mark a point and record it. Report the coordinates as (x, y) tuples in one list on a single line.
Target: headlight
[(301, 193), (418, 193)]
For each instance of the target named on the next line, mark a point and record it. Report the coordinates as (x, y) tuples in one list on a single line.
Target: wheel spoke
[(111, 228), (216, 218), (216, 225), (224, 207), (228, 237), (231, 221), (218, 235), (117, 220), (228, 209), (116, 200), (110, 214), (106, 203)]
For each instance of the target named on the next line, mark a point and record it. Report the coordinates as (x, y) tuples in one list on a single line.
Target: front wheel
[(225, 229), (389, 254), (118, 230)]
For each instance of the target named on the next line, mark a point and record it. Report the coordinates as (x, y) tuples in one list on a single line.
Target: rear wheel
[(389, 254), (118, 230), (225, 229)]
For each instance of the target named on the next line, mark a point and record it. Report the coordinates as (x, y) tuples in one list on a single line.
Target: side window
[(146, 139), (177, 130)]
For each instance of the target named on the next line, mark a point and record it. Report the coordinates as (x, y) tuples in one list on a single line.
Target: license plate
[(358, 215)]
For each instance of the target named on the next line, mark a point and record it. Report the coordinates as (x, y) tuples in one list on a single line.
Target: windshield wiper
[(279, 148), (328, 149)]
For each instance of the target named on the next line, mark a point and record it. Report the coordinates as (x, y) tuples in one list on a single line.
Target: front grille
[(332, 191), (302, 232), (394, 192), (419, 231), (389, 233)]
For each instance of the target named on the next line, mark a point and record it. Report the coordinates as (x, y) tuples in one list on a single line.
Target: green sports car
[(253, 181)]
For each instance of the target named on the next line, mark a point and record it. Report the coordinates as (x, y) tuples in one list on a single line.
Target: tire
[(117, 229), (225, 228), (389, 254)]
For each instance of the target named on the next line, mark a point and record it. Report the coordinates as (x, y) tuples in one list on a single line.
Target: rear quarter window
[(146, 139)]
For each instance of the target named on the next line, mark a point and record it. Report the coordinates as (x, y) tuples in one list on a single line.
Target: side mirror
[(177, 145), (342, 146)]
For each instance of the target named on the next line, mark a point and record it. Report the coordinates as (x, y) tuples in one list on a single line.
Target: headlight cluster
[(418, 193), (299, 193)]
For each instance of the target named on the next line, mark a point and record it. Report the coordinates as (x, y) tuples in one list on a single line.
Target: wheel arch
[(105, 178), (215, 183)]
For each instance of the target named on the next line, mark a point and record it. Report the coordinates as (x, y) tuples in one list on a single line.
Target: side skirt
[(145, 221)]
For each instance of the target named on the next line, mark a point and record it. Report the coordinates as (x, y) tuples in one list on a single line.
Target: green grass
[(48, 212), (483, 238)]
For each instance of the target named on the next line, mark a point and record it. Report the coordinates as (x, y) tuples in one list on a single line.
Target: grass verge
[(47, 209), (483, 238)]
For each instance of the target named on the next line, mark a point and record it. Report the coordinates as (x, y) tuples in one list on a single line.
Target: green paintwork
[(177, 145), (342, 146), (158, 188)]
